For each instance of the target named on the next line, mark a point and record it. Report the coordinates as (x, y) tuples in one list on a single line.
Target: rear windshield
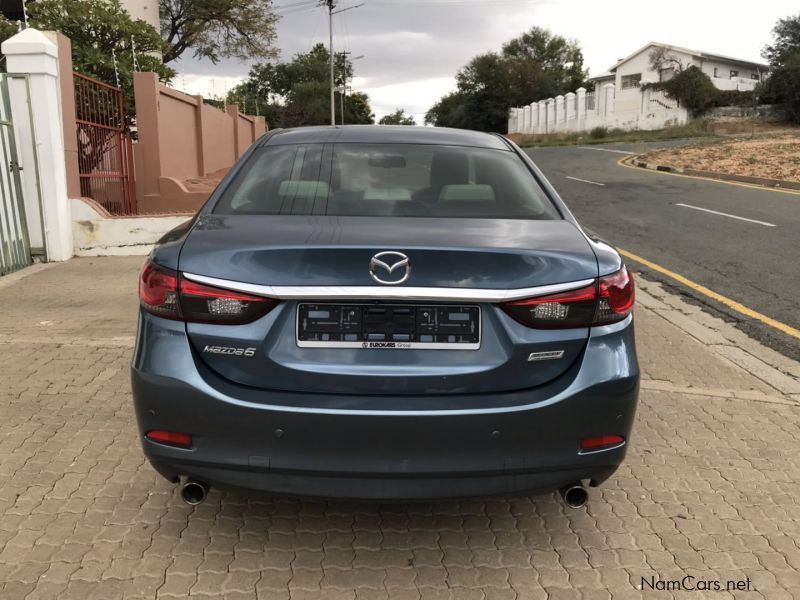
[(401, 180)]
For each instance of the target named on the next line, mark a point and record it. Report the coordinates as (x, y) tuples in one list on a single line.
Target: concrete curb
[(636, 161), (12, 278), (776, 370)]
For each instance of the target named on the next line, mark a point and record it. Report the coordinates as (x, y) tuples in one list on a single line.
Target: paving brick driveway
[(710, 488)]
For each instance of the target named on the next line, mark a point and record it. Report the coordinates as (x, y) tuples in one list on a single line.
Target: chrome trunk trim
[(338, 292)]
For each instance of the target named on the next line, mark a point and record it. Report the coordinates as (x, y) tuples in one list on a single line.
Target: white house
[(725, 72)]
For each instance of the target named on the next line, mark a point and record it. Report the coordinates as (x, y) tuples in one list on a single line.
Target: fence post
[(542, 117), (233, 113), (581, 103), (30, 52), (569, 100)]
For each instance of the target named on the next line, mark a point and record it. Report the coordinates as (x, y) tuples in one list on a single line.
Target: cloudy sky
[(413, 48)]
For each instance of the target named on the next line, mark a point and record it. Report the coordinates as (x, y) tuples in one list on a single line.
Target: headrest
[(304, 189), (467, 193), (388, 194)]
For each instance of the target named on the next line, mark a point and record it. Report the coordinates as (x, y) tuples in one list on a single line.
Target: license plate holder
[(389, 326)]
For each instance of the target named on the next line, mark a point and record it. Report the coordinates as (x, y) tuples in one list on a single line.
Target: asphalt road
[(753, 259)]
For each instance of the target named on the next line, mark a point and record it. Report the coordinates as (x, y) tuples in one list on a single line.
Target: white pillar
[(31, 52), (569, 101), (580, 108), (560, 116), (608, 93), (534, 117), (526, 119), (542, 117)]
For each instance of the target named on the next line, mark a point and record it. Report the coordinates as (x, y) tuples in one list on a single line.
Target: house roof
[(697, 53)]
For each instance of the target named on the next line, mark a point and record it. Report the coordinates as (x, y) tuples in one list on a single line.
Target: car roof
[(385, 134)]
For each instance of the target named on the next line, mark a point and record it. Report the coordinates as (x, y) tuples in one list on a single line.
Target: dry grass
[(774, 155)]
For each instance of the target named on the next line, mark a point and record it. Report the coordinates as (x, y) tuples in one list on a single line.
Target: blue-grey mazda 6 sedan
[(389, 313)]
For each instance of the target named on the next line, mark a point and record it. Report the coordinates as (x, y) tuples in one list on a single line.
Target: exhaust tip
[(194, 492), (575, 495)]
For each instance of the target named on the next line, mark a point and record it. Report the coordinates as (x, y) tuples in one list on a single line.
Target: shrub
[(598, 133), (734, 98)]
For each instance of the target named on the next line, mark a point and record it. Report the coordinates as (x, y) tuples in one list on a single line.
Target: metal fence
[(15, 250), (590, 102), (105, 150)]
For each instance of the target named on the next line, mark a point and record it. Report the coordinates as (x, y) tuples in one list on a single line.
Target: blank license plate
[(389, 326)]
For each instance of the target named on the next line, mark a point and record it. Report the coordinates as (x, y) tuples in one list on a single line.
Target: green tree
[(215, 29), (783, 84), (398, 117), (692, 89), (542, 65), (786, 41), (101, 31), (297, 92), (531, 67)]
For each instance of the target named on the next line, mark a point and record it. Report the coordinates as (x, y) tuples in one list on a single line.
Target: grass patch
[(697, 128)]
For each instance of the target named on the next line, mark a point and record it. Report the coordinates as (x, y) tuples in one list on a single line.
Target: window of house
[(754, 76), (631, 81), (715, 72), (666, 74), (734, 73)]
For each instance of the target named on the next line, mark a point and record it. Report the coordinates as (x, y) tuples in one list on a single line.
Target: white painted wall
[(96, 234), (628, 110)]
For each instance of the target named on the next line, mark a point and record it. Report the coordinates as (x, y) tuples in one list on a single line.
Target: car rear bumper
[(281, 443)]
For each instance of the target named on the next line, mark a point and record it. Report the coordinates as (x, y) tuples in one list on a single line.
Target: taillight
[(164, 293), (206, 304), (608, 300), (558, 311), (616, 297), (158, 291)]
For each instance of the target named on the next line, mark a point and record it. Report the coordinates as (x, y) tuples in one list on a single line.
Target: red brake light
[(164, 293), (616, 297), (182, 440), (608, 300), (158, 290)]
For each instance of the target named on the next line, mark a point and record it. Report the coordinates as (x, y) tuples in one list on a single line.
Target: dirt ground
[(776, 156)]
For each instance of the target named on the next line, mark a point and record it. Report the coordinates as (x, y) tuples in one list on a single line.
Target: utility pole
[(331, 4)]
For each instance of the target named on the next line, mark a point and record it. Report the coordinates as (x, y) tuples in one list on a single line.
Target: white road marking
[(584, 180), (714, 212), (604, 149)]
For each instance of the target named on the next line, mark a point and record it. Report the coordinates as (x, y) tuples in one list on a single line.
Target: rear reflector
[(181, 440), (164, 293), (608, 300), (601, 442)]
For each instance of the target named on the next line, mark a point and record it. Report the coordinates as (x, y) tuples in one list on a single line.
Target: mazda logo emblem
[(390, 262)]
